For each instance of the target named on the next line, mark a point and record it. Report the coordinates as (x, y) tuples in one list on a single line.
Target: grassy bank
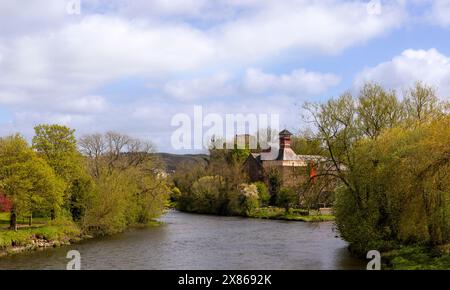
[(277, 213), (417, 258), (42, 234)]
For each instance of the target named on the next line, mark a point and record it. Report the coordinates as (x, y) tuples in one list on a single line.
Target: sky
[(130, 66)]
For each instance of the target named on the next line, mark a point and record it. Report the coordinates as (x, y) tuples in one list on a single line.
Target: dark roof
[(285, 132)]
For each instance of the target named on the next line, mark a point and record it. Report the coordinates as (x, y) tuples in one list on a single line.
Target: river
[(190, 241)]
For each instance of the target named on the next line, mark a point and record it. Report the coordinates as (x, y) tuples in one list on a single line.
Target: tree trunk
[(13, 220), (30, 221)]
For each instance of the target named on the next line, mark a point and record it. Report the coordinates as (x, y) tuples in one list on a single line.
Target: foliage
[(286, 198), (263, 193), (116, 184), (27, 180), (206, 194), (392, 160), (305, 143), (245, 201), (57, 145), (5, 203), (128, 187)]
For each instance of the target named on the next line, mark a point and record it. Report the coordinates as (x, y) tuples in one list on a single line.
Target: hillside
[(172, 160)]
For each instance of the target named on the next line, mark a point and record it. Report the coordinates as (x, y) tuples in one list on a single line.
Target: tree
[(27, 180), (245, 201), (263, 193), (129, 188), (421, 103), (57, 145), (286, 198), (306, 143), (393, 185), (377, 109), (206, 194)]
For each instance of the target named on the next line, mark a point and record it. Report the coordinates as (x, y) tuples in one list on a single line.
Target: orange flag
[(313, 173)]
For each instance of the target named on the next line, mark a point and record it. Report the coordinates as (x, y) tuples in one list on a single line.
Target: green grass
[(416, 258), (51, 231), (4, 220), (280, 214)]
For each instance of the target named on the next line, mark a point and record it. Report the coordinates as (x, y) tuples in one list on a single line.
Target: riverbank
[(417, 258), (45, 234), (275, 213), (39, 237)]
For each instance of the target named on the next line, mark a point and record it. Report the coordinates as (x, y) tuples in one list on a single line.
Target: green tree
[(263, 193), (57, 145), (129, 185), (207, 194), (421, 103), (27, 180), (286, 198), (377, 109), (245, 201), (306, 143)]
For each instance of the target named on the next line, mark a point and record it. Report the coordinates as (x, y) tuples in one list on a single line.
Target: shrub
[(245, 201), (263, 193), (207, 195), (286, 198)]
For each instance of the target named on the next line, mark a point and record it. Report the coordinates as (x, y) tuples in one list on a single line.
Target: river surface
[(190, 241)]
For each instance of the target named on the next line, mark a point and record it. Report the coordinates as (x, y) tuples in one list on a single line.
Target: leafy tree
[(306, 143), (245, 201), (421, 103), (286, 198), (27, 180), (263, 193), (392, 162), (207, 197), (129, 188), (377, 109), (57, 145)]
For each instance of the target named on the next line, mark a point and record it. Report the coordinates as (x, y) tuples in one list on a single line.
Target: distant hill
[(172, 160)]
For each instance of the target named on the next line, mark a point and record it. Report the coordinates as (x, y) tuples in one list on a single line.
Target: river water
[(190, 241)]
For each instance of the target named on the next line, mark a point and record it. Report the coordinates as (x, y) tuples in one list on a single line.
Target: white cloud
[(440, 12), (254, 82), (52, 65), (429, 66), (297, 82), (328, 26), (218, 85)]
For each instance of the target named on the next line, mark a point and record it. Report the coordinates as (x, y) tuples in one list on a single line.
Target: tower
[(285, 139)]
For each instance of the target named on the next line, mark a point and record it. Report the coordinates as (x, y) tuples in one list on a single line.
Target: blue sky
[(130, 66)]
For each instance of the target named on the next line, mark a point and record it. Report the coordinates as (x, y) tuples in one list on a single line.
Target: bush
[(206, 195), (286, 198), (263, 193), (400, 191), (245, 201)]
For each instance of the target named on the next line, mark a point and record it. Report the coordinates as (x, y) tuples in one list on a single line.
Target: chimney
[(285, 139)]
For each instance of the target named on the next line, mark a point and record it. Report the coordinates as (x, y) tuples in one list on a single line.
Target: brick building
[(291, 168)]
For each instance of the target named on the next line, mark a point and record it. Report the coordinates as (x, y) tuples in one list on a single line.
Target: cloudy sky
[(130, 66)]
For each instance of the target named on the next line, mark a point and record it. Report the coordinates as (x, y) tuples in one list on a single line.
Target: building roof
[(285, 154), (285, 132)]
